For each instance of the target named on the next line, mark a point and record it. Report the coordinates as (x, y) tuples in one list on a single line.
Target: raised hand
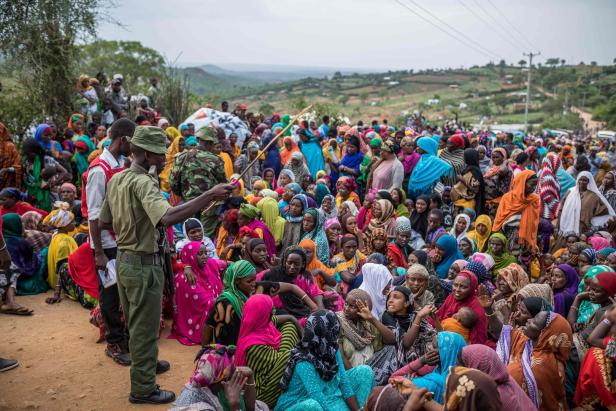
[(362, 310), (484, 297)]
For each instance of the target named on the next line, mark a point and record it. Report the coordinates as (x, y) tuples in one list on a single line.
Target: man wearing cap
[(118, 100), (196, 171), (134, 207)]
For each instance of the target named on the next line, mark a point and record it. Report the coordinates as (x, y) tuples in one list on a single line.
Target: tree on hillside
[(134, 61), (593, 63), (38, 38), (562, 62), (552, 62), (522, 63)]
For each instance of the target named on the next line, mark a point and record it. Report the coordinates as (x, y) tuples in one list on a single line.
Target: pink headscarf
[(599, 243), (257, 327)]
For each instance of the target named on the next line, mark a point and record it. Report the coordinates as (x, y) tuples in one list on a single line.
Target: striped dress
[(268, 364)]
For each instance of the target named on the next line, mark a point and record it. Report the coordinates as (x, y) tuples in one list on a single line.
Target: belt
[(142, 259)]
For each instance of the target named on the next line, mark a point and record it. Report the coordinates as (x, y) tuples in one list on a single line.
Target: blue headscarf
[(304, 200), (429, 169), (448, 243), (272, 155), (321, 192), (38, 136), (449, 346), (565, 180)]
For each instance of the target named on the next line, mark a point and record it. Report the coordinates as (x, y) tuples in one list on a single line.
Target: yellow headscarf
[(270, 214), (172, 151), (172, 133), (474, 235), (80, 86)]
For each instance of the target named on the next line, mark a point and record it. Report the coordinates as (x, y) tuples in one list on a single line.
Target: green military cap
[(207, 134), (150, 138)]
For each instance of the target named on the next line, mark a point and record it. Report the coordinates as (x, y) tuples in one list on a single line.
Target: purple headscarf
[(569, 290)]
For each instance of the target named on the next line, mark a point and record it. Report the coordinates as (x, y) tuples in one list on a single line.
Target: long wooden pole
[(275, 139)]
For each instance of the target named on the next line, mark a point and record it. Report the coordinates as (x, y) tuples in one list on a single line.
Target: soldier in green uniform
[(196, 171), (134, 207)]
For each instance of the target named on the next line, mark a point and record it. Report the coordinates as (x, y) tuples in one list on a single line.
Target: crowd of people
[(343, 266)]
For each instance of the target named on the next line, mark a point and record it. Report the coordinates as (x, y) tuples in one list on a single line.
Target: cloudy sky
[(368, 34)]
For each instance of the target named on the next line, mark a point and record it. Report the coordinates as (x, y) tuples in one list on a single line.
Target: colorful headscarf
[(587, 308), (257, 327), (60, 217), (236, 271)]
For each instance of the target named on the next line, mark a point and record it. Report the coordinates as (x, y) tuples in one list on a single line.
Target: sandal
[(23, 311)]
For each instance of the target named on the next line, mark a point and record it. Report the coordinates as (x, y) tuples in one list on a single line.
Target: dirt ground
[(62, 367)]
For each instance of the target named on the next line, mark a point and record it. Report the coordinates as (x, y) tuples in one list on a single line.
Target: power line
[(494, 27), (458, 32), (495, 20), (487, 54), (511, 24)]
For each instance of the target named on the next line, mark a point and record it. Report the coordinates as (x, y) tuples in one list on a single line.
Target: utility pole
[(530, 66)]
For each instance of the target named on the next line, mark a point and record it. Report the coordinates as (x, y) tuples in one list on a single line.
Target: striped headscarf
[(549, 186)]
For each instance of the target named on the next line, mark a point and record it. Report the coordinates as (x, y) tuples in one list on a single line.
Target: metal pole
[(530, 66)]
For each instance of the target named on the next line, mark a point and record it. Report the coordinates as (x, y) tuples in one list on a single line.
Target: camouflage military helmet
[(150, 138), (207, 134)]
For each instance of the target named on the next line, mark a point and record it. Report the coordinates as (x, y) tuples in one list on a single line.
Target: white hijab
[(463, 233), (570, 215), (376, 277), (352, 207)]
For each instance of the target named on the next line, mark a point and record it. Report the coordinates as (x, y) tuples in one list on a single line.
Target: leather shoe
[(162, 366), (6, 364), (157, 396)]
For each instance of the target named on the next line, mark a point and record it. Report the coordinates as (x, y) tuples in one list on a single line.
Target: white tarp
[(227, 121)]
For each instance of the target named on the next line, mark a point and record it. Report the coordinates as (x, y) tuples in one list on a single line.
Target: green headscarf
[(33, 182), (249, 211), (81, 160), (12, 226), (286, 119), (236, 271), (505, 258), (587, 308)]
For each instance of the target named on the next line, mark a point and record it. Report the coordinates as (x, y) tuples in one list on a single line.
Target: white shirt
[(96, 189)]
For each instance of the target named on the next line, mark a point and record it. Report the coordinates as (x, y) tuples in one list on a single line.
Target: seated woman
[(377, 243), (481, 233), (217, 384), (347, 264), (376, 281), (564, 282), (10, 202), (460, 227), (304, 298), (333, 230), (312, 229), (382, 217), (497, 249), (315, 377), (486, 360), (61, 247), (33, 232), (399, 250), (193, 231), (586, 303), (510, 281), (443, 352), (25, 262), (416, 280), (228, 234), (536, 354), (196, 289), (359, 339), (295, 218), (249, 217), (446, 253), (263, 348), (406, 333), (464, 294), (255, 252)]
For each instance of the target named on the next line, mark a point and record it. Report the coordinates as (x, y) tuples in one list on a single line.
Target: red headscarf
[(248, 232), (457, 140), (256, 327), (608, 282), (479, 333)]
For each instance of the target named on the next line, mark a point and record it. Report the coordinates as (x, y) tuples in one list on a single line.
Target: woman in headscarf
[(254, 250), (607, 189), (289, 146), (332, 153), (328, 207), (297, 167), (61, 247), (536, 354), (564, 282), (352, 159), (223, 321), (83, 148), (405, 331), (43, 136), (192, 229), (312, 229), (583, 307), (315, 377), (509, 282), (195, 293), (215, 380), (446, 252), (304, 298), (249, 217), (485, 359), (468, 192), (454, 155), (399, 200), (38, 239), (518, 213), (272, 155), (10, 160), (376, 282), (348, 262), (416, 279), (286, 177), (382, 217), (271, 217), (465, 295), (497, 179), (177, 146), (482, 232), (263, 348), (461, 224), (428, 170), (24, 259), (312, 151), (346, 188), (228, 234), (323, 275), (398, 251), (584, 207), (498, 250), (294, 221), (548, 187), (388, 172), (419, 216), (408, 156), (10, 202)]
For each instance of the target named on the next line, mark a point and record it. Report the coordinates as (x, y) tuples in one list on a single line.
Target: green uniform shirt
[(134, 205), (195, 172)]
